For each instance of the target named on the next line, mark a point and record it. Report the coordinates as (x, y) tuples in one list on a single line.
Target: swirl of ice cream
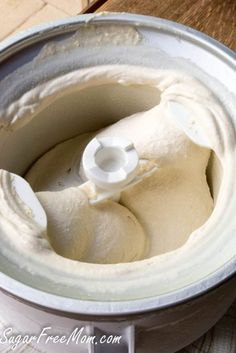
[(157, 226), (162, 210)]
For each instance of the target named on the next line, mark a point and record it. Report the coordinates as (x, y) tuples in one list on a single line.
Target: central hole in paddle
[(110, 159)]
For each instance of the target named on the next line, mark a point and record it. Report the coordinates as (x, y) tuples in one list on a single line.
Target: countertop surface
[(217, 18)]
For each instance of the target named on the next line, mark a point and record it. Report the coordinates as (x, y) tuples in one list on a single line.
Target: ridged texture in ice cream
[(153, 217)]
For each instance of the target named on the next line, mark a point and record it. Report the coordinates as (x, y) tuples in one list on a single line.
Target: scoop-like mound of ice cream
[(106, 233)]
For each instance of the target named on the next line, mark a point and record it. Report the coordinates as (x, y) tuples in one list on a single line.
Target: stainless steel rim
[(84, 307)]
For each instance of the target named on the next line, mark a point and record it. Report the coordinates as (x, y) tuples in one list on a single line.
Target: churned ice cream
[(153, 217), (150, 230)]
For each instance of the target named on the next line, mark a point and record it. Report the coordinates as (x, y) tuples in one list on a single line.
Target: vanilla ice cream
[(162, 211), (155, 227)]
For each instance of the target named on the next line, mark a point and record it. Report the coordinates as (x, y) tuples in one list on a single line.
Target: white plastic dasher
[(110, 162), (18, 188), (111, 165), (184, 119)]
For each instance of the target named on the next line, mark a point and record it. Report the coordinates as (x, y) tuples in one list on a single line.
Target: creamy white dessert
[(157, 226), (161, 211)]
